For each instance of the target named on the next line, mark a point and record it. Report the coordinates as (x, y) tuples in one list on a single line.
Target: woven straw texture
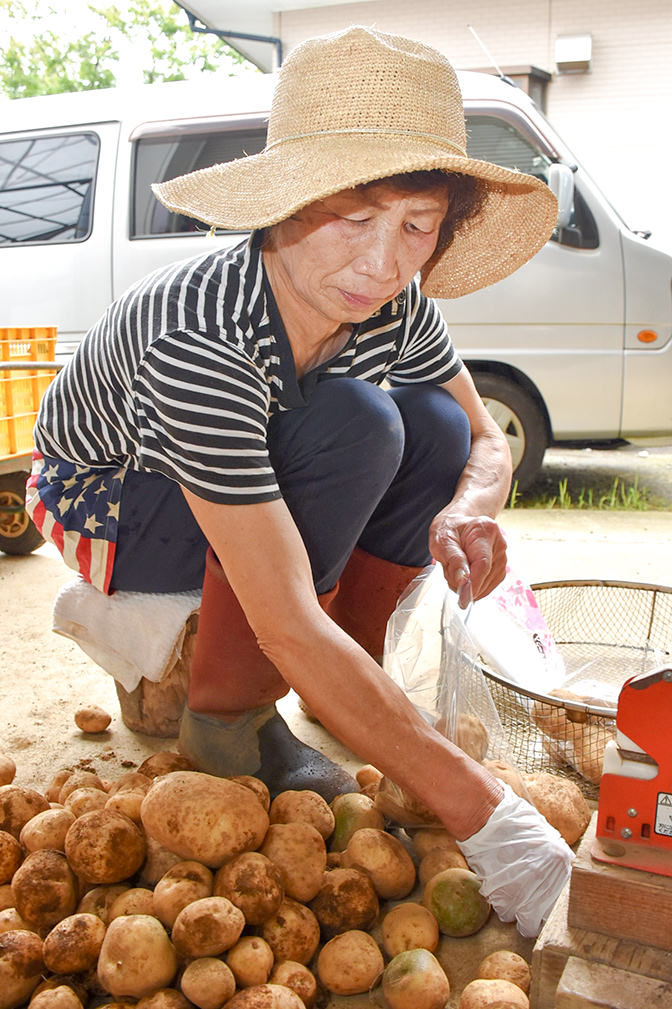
[(361, 105)]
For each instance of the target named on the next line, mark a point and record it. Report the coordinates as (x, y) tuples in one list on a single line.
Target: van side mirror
[(561, 183)]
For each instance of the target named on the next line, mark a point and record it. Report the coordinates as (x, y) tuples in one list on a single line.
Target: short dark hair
[(466, 193)]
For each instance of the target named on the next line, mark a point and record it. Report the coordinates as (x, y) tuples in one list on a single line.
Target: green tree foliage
[(155, 32)]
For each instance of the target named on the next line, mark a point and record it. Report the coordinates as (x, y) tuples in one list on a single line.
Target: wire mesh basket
[(606, 632)]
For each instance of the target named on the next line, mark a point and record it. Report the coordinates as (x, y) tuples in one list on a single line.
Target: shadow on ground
[(644, 476)]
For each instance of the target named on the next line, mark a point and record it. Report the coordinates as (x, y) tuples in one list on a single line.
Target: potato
[(304, 806), (208, 982), (255, 785), (352, 810), (73, 944), (384, 859), (47, 829), (6, 896), (201, 817), (157, 862), (472, 736), (414, 979), (426, 839), (561, 802), (403, 807), (552, 718), (45, 889), (297, 977), (250, 960), (11, 855), (493, 994), (136, 957), (453, 897), (350, 963), (207, 927), (253, 883), (79, 779), (17, 806), (265, 996), (368, 776), (508, 773), (136, 900), (346, 900), (163, 763), (439, 859), (131, 781), (299, 852), (7, 769), (83, 800), (507, 966), (128, 803), (60, 997), (92, 718), (100, 900), (164, 998), (180, 885), (105, 847), (293, 932), (589, 747), (55, 785), (21, 967), (409, 926), (10, 920), (56, 981)]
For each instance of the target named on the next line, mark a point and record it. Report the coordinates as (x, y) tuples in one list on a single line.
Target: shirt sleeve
[(202, 410), (427, 353)]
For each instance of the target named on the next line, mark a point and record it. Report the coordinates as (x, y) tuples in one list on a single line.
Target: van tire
[(18, 535), (521, 420)]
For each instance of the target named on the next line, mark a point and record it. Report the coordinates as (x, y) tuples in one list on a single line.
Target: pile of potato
[(172, 889)]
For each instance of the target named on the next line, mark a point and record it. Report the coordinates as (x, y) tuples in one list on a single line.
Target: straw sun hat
[(361, 105)]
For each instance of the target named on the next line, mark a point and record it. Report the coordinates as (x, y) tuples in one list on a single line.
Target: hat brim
[(516, 219)]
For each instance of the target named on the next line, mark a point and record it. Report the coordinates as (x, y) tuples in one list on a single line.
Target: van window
[(165, 157), (493, 139), (46, 188)]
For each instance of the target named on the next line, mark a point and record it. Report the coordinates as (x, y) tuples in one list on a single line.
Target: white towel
[(131, 635)]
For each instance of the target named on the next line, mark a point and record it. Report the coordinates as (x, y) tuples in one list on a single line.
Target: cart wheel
[(18, 535)]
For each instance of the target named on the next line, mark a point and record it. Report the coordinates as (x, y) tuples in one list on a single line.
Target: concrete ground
[(44, 678)]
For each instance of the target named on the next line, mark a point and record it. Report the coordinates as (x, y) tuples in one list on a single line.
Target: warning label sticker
[(663, 823)]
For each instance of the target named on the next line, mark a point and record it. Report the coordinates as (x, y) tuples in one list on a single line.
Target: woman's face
[(345, 256)]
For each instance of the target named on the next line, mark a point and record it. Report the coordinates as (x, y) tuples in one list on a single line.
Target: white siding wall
[(617, 118)]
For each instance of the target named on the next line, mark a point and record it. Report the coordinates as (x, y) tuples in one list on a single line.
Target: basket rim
[(603, 582), (556, 702)]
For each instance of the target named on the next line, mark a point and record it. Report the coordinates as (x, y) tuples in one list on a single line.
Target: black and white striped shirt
[(182, 373)]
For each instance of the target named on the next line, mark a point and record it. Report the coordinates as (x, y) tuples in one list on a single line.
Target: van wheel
[(520, 419), (18, 535)]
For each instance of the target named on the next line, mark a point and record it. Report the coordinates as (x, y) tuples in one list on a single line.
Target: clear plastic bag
[(430, 655)]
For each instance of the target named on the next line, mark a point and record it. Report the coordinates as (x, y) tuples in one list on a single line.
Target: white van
[(575, 346)]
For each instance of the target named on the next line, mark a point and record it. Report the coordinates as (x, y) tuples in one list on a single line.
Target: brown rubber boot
[(369, 589), (230, 724)]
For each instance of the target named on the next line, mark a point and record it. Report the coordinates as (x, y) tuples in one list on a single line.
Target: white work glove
[(522, 860)]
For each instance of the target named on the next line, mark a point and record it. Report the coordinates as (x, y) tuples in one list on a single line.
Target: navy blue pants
[(357, 466)]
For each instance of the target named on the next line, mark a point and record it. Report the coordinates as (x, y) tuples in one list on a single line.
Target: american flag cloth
[(76, 508)]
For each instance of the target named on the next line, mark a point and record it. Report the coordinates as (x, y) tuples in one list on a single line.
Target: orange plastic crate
[(21, 390)]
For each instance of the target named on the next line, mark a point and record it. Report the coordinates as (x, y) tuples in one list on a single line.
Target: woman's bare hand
[(472, 552)]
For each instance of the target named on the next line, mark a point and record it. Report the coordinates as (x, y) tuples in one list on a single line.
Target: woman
[(228, 412)]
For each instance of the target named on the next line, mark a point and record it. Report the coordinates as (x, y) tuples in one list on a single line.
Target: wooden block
[(586, 985), (615, 900), (559, 941)]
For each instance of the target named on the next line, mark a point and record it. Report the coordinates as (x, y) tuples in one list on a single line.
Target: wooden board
[(586, 985), (614, 900), (559, 941)]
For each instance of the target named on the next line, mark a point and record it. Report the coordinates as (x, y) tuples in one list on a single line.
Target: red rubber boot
[(369, 588), (230, 724)]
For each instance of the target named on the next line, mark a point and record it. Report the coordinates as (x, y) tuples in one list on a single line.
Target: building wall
[(616, 117)]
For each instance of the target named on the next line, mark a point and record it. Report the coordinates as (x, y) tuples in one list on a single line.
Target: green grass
[(618, 496)]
